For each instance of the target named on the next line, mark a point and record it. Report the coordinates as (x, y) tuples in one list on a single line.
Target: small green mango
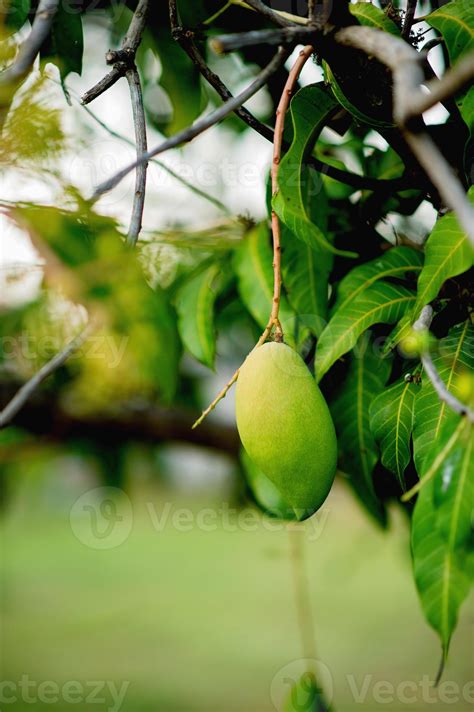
[(285, 426)]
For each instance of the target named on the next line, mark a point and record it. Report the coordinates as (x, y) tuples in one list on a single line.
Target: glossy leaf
[(382, 302), (366, 377), (373, 16), (310, 110), (455, 22), (397, 263), (253, 266), (195, 305), (454, 354), (391, 423), (447, 254), (443, 558)]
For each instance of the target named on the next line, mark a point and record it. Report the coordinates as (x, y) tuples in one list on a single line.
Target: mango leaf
[(455, 354), (367, 375), (15, 15), (349, 105), (455, 22), (391, 423), (195, 306), (397, 262), (382, 302), (66, 44), (305, 269), (310, 110), (182, 82), (443, 558), (447, 254), (253, 266), (306, 283), (306, 696), (373, 16)]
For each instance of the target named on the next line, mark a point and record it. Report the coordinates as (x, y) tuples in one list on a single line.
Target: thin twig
[(409, 17), (27, 390), (281, 111), (268, 13), (200, 125), (139, 121), (124, 59), (422, 325), (223, 44), (190, 186), (30, 48), (406, 66), (277, 146)]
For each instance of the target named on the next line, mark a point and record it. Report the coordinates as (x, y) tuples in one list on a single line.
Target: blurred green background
[(205, 620)]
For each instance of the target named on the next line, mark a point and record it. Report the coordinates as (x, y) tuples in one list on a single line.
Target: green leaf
[(397, 262), (305, 696), (455, 354), (182, 82), (391, 423), (443, 558), (455, 22), (310, 110), (382, 302), (447, 254), (372, 16), (195, 304), (16, 14), (253, 266), (367, 375), (67, 38), (305, 277)]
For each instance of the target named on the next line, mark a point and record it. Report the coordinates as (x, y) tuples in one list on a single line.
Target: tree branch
[(268, 13), (30, 48), (139, 121), (26, 391), (408, 97), (46, 417), (124, 59), (409, 17), (185, 41), (200, 125)]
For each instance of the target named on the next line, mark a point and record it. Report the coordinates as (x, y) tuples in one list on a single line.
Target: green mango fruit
[(285, 426)]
